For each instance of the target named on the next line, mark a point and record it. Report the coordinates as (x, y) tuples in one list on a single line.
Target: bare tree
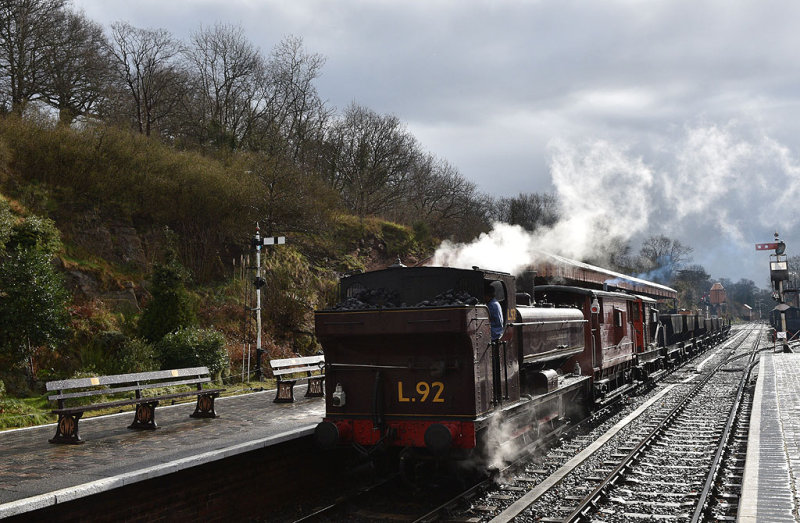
[(660, 257), (531, 210), (145, 63), (227, 73), (437, 196), (27, 29), (285, 199), (77, 67), (692, 283), (369, 160), (293, 107), (794, 271), (615, 254)]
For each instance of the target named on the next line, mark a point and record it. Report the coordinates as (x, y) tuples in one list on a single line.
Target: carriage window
[(619, 317)]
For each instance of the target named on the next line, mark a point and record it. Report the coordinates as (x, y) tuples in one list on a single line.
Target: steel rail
[(517, 508), (702, 501), (524, 455), (347, 498), (551, 437), (588, 502)]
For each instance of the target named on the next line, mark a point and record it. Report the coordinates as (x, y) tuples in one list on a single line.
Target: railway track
[(662, 465)]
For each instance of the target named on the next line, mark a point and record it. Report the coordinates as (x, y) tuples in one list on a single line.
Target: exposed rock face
[(82, 285), (118, 243), (86, 287), (127, 245), (124, 301)]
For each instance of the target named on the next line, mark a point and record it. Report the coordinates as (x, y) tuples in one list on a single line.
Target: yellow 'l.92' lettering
[(423, 389)]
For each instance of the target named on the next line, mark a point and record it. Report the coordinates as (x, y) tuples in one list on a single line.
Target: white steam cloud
[(716, 188), (592, 208)]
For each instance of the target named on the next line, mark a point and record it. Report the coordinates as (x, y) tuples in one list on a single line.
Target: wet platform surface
[(771, 485), (36, 474)]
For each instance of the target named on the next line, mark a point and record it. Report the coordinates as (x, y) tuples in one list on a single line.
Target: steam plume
[(717, 188), (592, 210)]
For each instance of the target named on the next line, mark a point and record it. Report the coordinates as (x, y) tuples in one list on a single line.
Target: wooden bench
[(284, 370), (129, 384)]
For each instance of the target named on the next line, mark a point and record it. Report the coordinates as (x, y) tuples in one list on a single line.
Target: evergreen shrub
[(193, 347)]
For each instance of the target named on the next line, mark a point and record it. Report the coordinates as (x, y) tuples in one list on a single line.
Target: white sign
[(781, 335), (274, 240)]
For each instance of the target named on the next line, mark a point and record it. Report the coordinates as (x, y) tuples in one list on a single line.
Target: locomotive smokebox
[(439, 438)]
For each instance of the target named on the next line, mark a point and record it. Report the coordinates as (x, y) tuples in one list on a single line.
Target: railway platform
[(771, 481), (35, 474)]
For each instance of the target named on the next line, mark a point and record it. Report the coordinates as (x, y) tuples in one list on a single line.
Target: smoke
[(593, 209), (717, 188)]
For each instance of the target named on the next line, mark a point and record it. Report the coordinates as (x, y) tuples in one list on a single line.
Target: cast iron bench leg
[(145, 417), (285, 392), (67, 429), (314, 389), (205, 406)]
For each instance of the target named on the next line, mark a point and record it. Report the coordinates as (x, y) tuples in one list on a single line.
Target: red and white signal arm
[(595, 307), (766, 246)]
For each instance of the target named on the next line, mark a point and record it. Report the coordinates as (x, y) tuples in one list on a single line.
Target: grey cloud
[(489, 84)]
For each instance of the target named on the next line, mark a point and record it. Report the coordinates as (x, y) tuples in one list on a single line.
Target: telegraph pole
[(258, 283)]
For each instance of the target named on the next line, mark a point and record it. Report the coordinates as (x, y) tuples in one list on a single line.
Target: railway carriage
[(614, 334)]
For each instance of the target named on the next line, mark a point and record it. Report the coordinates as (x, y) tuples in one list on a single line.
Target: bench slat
[(294, 370), (302, 378), (115, 390), (125, 378), (286, 362), (120, 403)]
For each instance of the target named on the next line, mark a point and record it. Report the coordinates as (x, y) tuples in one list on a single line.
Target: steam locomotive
[(410, 364)]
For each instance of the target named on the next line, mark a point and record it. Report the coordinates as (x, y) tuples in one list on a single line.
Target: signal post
[(779, 275), (259, 282)]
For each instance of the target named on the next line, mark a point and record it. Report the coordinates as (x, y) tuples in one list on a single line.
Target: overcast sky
[(694, 104)]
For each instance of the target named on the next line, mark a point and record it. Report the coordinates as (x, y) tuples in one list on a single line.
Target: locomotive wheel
[(419, 470), (412, 467)]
